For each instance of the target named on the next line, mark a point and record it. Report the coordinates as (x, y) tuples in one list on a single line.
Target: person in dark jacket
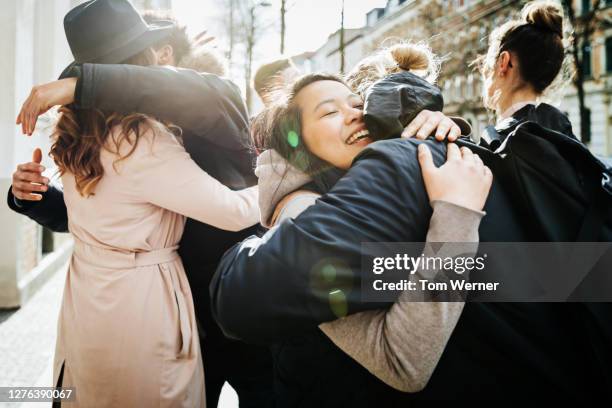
[(273, 292), (214, 123)]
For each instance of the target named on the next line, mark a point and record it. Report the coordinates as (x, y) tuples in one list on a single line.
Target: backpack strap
[(492, 139)]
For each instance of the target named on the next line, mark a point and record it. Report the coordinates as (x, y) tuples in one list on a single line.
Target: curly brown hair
[(80, 134)]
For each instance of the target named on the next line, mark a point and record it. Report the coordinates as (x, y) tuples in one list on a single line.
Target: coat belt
[(117, 258)]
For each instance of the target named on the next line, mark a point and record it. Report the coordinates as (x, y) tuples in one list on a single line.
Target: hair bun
[(544, 14), (411, 56), (415, 57)]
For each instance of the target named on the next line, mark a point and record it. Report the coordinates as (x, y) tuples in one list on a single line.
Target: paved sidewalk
[(27, 343), (27, 338)]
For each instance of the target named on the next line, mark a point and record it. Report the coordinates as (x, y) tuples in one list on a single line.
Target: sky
[(309, 22)]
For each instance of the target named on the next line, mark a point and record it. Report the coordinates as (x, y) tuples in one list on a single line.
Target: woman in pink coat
[(127, 332)]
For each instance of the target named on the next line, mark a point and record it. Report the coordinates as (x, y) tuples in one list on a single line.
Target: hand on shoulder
[(463, 180)]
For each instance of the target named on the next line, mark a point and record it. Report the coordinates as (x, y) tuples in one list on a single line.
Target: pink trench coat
[(127, 334)]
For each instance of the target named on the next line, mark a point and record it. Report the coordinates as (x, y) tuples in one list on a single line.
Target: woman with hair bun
[(524, 58)]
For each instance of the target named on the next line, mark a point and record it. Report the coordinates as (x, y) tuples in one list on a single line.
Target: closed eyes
[(330, 113)]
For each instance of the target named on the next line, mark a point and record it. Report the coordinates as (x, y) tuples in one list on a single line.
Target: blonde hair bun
[(404, 56), (544, 14), (412, 57)]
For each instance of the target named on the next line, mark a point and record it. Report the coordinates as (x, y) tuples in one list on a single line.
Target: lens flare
[(293, 139), (337, 302), (329, 273)]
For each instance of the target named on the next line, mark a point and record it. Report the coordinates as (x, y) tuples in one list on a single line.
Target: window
[(47, 241), (586, 60), (477, 86), (447, 90), (609, 54), (586, 118), (458, 91), (586, 6), (469, 91)]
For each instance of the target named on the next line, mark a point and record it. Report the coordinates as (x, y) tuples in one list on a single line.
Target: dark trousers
[(60, 380), (247, 368)]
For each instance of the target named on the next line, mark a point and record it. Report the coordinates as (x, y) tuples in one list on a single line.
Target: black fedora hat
[(109, 32)]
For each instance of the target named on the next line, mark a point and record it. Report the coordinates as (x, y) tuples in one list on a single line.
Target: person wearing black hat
[(213, 118)]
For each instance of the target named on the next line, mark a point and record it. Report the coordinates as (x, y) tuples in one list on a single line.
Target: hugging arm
[(273, 288), (406, 341), (195, 102), (50, 212), (167, 177)]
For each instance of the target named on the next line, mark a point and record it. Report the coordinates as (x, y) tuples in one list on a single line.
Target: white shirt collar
[(513, 109)]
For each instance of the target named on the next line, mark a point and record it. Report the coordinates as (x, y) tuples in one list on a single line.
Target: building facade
[(34, 50), (457, 30), (327, 57)]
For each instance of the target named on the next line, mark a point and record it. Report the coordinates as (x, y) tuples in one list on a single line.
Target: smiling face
[(332, 122)]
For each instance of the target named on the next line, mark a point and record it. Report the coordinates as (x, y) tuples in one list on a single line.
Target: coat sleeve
[(269, 289), (166, 176), (50, 212), (195, 102), (406, 341)]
